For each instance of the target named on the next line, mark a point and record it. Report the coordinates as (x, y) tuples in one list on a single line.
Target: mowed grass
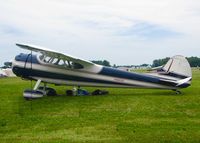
[(125, 115)]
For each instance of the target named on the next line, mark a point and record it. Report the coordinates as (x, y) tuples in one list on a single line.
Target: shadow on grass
[(149, 93), (119, 92)]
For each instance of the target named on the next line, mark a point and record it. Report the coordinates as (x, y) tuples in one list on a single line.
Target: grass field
[(125, 115)]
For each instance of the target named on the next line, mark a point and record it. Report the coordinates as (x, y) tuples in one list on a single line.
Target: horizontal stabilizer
[(182, 81), (155, 68), (177, 83)]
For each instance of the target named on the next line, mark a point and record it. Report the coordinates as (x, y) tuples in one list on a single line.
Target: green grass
[(125, 115)]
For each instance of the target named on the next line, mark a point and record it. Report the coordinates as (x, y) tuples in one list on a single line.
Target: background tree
[(104, 63), (193, 61), (160, 62)]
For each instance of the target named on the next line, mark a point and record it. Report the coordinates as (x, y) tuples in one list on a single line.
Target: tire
[(50, 91), (69, 93)]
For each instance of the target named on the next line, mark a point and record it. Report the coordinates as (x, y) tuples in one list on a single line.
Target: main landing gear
[(39, 91)]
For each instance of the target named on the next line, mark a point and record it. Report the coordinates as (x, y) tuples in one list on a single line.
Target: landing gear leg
[(37, 84)]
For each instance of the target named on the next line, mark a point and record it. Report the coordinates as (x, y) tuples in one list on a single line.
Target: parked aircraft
[(49, 66)]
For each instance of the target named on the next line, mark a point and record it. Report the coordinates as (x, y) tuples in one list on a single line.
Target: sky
[(128, 32)]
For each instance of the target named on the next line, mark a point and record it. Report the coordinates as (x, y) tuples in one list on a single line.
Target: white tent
[(2, 73), (8, 72)]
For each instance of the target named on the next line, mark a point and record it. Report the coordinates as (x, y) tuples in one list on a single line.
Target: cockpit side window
[(47, 59), (55, 61), (60, 62), (77, 66)]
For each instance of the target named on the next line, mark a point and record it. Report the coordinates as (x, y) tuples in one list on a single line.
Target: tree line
[(102, 62), (193, 61)]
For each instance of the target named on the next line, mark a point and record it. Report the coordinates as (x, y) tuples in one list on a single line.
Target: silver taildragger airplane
[(53, 67)]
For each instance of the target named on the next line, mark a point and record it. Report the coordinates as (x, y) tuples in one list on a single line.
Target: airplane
[(52, 67)]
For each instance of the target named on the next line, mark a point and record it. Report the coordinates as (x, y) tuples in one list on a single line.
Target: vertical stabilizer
[(178, 66)]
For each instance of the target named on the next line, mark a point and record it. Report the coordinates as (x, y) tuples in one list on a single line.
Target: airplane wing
[(55, 54)]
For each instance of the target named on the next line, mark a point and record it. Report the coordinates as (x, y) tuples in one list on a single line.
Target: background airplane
[(49, 66)]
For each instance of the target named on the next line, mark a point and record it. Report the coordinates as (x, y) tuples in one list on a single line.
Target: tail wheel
[(178, 92)]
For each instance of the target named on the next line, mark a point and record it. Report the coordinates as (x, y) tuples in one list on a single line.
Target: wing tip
[(20, 44)]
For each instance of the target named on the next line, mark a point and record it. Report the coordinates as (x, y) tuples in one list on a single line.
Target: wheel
[(178, 92), (100, 92), (50, 91), (69, 93)]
